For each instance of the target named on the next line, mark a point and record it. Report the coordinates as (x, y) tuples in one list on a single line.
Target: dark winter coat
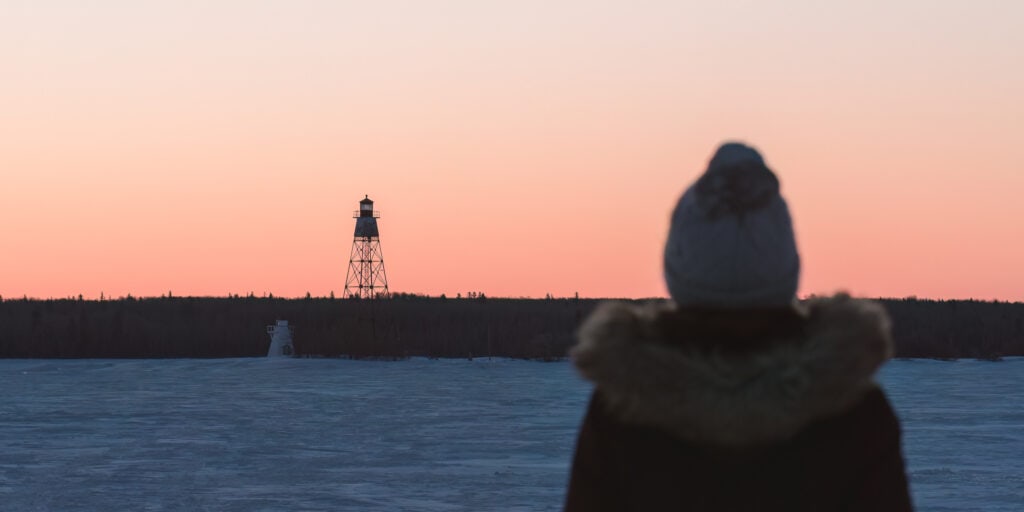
[(745, 410)]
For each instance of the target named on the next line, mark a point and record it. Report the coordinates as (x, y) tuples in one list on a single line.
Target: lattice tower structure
[(366, 278)]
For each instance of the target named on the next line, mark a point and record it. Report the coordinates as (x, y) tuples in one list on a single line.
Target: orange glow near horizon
[(515, 150)]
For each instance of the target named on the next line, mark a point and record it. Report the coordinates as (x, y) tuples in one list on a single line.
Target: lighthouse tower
[(280, 339), (366, 278)]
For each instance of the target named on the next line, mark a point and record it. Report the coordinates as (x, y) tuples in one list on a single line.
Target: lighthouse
[(366, 278), (280, 339)]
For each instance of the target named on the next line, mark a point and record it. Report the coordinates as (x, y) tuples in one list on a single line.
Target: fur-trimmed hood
[(726, 398)]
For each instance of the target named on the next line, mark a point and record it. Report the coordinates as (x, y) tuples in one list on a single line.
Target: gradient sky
[(515, 148)]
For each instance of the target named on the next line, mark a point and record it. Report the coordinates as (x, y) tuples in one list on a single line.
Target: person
[(733, 395)]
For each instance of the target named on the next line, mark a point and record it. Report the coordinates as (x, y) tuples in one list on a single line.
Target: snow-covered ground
[(963, 432), (434, 435)]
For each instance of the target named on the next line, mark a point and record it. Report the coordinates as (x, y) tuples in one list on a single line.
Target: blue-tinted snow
[(320, 434), (963, 432)]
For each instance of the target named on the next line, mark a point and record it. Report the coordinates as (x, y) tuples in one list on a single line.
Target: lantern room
[(366, 207)]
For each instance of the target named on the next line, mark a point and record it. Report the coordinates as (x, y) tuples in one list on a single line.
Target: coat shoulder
[(713, 395)]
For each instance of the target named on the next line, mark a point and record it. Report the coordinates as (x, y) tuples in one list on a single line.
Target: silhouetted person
[(733, 396)]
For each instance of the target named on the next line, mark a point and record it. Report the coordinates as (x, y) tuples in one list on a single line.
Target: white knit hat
[(731, 242)]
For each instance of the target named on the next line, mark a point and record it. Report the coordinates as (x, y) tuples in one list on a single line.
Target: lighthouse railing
[(356, 214)]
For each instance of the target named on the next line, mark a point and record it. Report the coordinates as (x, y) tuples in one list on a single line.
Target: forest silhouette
[(413, 326)]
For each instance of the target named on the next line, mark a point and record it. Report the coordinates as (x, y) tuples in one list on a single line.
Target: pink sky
[(514, 148)]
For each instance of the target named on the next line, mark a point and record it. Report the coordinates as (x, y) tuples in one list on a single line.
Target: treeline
[(953, 329), (410, 326), (404, 326)]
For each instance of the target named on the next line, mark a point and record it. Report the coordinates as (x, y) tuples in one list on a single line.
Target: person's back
[(733, 397)]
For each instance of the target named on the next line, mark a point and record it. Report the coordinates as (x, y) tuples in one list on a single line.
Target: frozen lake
[(433, 435)]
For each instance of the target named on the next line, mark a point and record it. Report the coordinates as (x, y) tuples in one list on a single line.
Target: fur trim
[(728, 399)]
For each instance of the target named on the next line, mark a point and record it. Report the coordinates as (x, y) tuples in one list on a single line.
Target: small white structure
[(280, 339)]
